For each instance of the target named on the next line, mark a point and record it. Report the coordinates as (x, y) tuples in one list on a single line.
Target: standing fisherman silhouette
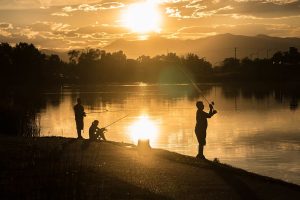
[(96, 133), (79, 115), (201, 126)]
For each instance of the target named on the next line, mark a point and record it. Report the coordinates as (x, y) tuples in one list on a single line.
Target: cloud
[(5, 29), (26, 32), (60, 14), (69, 9), (71, 23), (43, 4), (193, 32), (93, 8), (268, 9), (5, 26), (42, 26), (279, 2), (256, 8), (209, 13), (173, 12), (55, 35), (103, 28)]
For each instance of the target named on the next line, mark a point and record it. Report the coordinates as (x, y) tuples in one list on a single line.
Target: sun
[(142, 17)]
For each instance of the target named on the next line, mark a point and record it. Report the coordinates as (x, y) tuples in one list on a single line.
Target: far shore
[(69, 168)]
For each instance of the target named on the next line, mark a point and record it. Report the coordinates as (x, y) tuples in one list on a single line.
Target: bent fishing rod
[(195, 85)]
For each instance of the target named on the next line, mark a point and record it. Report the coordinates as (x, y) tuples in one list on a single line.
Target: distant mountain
[(62, 54), (213, 48)]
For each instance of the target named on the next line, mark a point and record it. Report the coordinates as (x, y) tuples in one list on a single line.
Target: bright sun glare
[(143, 128), (142, 17)]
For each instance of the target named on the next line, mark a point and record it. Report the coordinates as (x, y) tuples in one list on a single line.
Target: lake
[(256, 127)]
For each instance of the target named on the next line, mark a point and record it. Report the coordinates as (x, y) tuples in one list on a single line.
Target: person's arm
[(82, 111), (103, 129), (211, 111)]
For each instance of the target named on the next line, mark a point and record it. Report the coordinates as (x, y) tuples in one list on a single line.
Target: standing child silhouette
[(201, 126), (79, 115)]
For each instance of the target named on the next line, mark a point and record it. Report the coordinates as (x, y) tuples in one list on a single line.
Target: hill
[(213, 48), (62, 54)]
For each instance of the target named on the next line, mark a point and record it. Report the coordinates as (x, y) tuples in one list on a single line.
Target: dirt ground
[(67, 168)]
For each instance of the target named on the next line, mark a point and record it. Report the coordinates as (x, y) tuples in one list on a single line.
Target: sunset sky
[(66, 24)]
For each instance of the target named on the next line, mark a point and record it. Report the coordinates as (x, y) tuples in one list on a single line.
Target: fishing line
[(194, 85)]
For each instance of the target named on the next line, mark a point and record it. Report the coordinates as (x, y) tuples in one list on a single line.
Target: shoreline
[(57, 167)]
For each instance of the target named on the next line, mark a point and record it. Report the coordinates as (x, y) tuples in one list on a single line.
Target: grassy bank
[(66, 168)]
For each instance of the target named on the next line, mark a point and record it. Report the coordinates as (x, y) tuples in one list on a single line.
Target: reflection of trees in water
[(257, 92), (279, 92), (194, 95), (230, 91), (19, 108), (291, 92), (100, 97), (119, 94), (96, 97), (294, 104)]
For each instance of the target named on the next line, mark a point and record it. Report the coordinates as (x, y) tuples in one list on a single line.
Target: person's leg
[(200, 146), (202, 143), (102, 136), (97, 136), (79, 127), (79, 133), (200, 151)]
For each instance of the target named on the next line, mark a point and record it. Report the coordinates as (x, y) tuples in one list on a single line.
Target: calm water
[(255, 128)]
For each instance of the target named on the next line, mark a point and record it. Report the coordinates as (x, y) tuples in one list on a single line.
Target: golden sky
[(67, 24)]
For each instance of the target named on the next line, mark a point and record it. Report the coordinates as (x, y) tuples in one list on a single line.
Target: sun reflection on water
[(142, 84), (143, 128)]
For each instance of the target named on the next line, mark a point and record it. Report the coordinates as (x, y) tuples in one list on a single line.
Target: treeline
[(25, 64), (94, 65), (282, 66)]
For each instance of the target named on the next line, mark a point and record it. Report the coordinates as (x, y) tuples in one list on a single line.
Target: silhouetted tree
[(288, 57), (292, 56), (6, 63), (73, 56), (27, 63), (231, 64), (197, 65), (282, 66), (278, 58)]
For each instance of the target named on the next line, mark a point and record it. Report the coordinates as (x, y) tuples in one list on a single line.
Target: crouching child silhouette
[(201, 126), (96, 133)]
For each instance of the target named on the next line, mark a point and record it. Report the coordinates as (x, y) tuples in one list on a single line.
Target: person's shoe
[(80, 137)]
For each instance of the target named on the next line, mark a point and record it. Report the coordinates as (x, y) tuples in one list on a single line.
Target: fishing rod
[(195, 85), (116, 121)]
